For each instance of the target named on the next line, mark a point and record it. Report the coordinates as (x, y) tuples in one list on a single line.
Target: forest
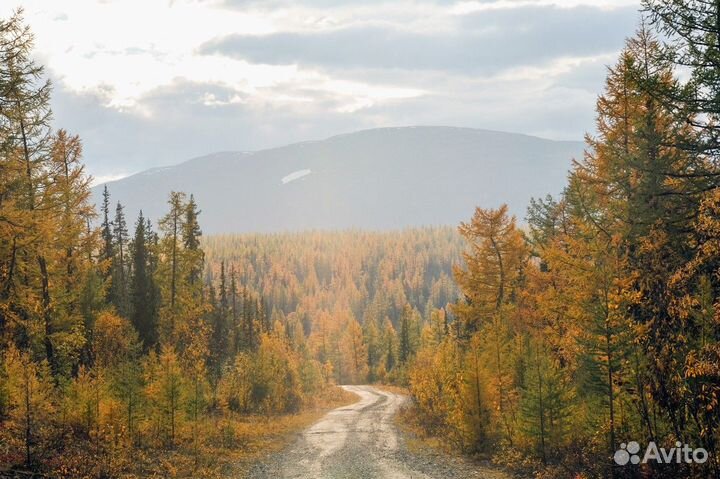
[(597, 323), (137, 347)]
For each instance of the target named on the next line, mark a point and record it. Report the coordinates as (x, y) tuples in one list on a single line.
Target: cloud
[(483, 42), (117, 143), (458, 5)]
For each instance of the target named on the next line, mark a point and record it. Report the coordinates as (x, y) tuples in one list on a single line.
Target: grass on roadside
[(230, 444)]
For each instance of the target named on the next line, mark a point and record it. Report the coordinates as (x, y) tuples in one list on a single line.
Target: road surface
[(360, 442)]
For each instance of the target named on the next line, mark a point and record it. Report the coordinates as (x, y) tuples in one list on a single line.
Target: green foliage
[(545, 405), (144, 292)]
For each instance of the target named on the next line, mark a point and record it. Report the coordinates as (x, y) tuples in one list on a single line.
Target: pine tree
[(219, 336), (405, 347), (234, 313), (390, 346), (224, 304), (692, 28), (143, 289), (372, 339), (120, 265), (546, 403), (191, 234), (172, 225), (249, 313), (106, 228)]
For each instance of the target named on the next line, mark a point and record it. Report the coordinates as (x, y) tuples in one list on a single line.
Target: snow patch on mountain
[(295, 175)]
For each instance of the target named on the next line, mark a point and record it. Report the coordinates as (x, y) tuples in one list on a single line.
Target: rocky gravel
[(360, 441)]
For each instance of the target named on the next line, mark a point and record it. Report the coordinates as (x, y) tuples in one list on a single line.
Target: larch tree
[(494, 261), (69, 262), (25, 143)]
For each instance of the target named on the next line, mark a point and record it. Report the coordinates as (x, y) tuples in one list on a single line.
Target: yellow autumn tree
[(30, 408), (489, 282), (353, 354)]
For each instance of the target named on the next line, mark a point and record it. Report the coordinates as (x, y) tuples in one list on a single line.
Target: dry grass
[(403, 391), (245, 439), (229, 445), (416, 437)]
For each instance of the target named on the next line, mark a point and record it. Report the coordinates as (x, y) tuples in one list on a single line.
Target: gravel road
[(360, 442)]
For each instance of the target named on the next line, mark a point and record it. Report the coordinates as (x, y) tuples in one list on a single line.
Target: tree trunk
[(47, 317)]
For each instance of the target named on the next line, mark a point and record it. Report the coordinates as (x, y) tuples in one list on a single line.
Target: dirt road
[(360, 441)]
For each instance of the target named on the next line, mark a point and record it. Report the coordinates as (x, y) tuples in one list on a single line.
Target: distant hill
[(374, 179)]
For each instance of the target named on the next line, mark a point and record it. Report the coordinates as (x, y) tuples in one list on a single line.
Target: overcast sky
[(154, 82)]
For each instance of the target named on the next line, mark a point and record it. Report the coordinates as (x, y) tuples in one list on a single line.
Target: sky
[(150, 83)]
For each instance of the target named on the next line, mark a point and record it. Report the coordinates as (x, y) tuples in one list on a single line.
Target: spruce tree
[(234, 313), (191, 234), (692, 28), (545, 403), (120, 297), (106, 228), (405, 347), (220, 331), (172, 226), (143, 288)]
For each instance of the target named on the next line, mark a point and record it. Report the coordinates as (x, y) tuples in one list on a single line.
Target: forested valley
[(137, 347)]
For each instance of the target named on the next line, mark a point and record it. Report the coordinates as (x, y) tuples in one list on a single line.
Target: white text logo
[(681, 453)]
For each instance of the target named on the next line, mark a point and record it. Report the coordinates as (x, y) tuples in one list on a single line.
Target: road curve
[(356, 441)]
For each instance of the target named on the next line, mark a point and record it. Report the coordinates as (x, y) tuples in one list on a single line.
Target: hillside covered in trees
[(357, 299)]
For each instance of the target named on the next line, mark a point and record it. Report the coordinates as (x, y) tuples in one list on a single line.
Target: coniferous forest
[(138, 347)]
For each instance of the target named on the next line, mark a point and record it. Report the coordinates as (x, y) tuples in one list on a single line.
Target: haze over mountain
[(384, 178)]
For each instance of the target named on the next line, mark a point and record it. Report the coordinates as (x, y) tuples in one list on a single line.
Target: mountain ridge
[(380, 178)]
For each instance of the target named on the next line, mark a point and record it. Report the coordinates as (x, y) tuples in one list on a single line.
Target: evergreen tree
[(191, 234), (372, 339), (219, 336), (172, 225), (106, 227), (693, 30), (143, 289), (390, 346), (405, 347), (224, 300), (120, 297), (234, 313), (545, 404)]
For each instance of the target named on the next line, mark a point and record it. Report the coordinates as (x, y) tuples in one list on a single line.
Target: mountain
[(375, 179)]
